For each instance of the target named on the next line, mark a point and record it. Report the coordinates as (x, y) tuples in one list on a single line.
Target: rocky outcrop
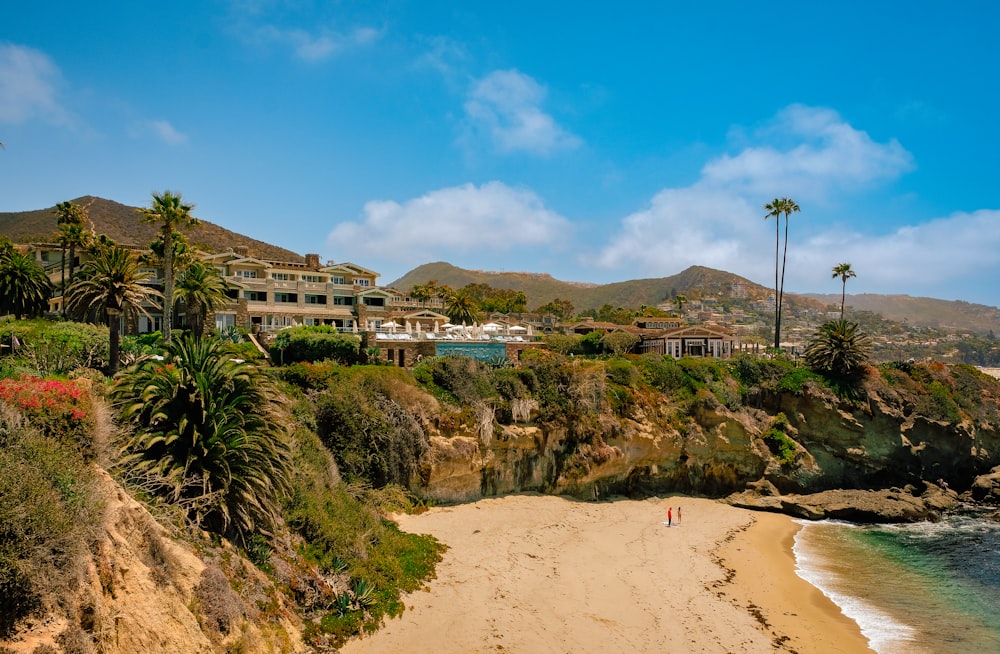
[(868, 506), (986, 488)]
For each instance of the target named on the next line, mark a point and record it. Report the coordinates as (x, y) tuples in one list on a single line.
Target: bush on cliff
[(349, 540), (367, 418), (45, 347), (316, 343), (48, 505)]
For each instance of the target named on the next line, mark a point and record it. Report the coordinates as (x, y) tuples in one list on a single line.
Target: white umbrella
[(491, 327), (409, 327), (418, 326), (389, 325), (518, 328), (447, 325)]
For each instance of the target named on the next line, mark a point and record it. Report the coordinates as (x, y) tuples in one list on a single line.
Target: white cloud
[(167, 132), (28, 81), (449, 222), (938, 253), (315, 45), (719, 220), (506, 104), (825, 153)]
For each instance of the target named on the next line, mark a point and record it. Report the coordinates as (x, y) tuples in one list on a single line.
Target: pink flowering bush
[(59, 409)]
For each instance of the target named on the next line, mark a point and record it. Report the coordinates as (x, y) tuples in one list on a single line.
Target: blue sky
[(592, 141)]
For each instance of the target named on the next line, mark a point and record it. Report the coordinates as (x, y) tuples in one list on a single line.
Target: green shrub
[(55, 348), (456, 379), (345, 534), (47, 500), (747, 369), (661, 372), (778, 441), (942, 405), (316, 343), (623, 372), (308, 375), (795, 380)]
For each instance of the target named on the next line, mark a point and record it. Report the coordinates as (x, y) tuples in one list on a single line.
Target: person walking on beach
[(670, 516), (678, 515)]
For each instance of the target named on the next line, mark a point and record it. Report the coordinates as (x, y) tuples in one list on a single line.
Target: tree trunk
[(114, 340), (62, 270), (777, 305), (168, 285)]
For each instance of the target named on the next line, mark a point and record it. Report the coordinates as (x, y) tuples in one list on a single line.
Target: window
[(342, 300), (286, 297), (338, 279), (247, 274), (312, 278), (374, 301), (285, 277), (315, 299), (224, 320), (362, 282), (255, 296)]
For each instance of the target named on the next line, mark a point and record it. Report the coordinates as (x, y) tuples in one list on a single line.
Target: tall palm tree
[(843, 270), (203, 289), (679, 302), (208, 434), (775, 209), (71, 219), (24, 286), (171, 214), (111, 285)]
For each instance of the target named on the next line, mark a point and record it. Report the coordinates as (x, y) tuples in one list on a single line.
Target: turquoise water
[(926, 587)]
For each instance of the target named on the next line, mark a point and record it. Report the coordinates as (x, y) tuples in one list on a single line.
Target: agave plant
[(364, 593)]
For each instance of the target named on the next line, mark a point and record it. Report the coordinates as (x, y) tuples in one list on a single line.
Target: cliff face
[(143, 591), (877, 442)]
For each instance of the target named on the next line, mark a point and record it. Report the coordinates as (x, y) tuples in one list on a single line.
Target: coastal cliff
[(889, 433)]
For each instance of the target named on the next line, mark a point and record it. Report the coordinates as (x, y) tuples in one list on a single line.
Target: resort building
[(691, 341)]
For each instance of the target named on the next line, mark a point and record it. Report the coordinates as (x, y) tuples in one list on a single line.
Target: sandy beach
[(531, 573)]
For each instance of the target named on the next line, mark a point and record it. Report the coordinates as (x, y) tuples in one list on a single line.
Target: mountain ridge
[(121, 222)]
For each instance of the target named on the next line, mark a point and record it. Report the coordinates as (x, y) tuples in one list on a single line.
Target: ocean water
[(925, 587)]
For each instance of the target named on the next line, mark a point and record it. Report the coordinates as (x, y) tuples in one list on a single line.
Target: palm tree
[(171, 214), (71, 219), (838, 350), (679, 302), (207, 435), (203, 289), (24, 286), (111, 285), (462, 308), (775, 209), (843, 270)]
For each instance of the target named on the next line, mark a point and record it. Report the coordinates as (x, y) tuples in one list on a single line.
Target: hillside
[(925, 311), (543, 288), (699, 281), (121, 223)]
